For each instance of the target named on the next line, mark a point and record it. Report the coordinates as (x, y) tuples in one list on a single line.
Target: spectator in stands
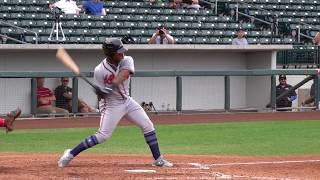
[(175, 4), (94, 7), (285, 101), (3, 39), (161, 36), (66, 6), (63, 94), (310, 100), (194, 5), (240, 39), (45, 99), (275, 25), (316, 39)]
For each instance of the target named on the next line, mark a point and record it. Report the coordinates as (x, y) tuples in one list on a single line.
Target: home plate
[(140, 171)]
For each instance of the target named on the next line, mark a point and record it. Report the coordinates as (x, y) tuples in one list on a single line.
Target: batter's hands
[(102, 92)]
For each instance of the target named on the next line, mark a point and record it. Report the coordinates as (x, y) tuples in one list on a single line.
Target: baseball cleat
[(161, 162), (11, 117), (65, 158)]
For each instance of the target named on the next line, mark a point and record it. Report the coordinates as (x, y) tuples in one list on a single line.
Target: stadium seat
[(17, 16), (28, 23), (202, 40), (44, 23), (91, 40), (30, 39), (264, 41), (143, 24), (14, 22), (111, 4), (141, 32), (5, 16), (8, 30), (87, 24), (101, 24), (215, 40), (115, 24), (252, 40), (143, 40), (188, 40), (82, 32)]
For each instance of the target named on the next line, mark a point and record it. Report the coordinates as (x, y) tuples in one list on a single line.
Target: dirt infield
[(90, 166), (86, 166)]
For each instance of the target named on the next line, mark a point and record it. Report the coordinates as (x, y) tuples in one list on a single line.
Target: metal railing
[(304, 35), (273, 26), (20, 28)]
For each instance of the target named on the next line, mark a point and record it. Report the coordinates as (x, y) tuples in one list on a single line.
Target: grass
[(246, 138)]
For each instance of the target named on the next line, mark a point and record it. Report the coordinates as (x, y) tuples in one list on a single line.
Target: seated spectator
[(161, 36), (94, 7), (316, 39), (63, 94), (45, 99), (175, 4), (66, 6), (3, 39), (194, 5), (240, 40)]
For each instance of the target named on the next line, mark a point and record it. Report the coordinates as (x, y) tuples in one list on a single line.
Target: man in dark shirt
[(63, 95), (285, 101)]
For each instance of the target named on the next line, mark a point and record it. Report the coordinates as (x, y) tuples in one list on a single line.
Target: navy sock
[(85, 144), (152, 141)]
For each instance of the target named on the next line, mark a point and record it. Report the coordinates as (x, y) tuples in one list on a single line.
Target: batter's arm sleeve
[(122, 76)]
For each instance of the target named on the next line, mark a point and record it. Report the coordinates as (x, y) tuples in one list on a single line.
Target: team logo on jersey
[(109, 78)]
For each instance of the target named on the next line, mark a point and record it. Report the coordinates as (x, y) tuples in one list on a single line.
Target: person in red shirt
[(45, 99)]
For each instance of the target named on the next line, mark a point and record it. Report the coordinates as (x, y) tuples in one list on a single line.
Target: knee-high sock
[(152, 141), (85, 144), (2, 122)]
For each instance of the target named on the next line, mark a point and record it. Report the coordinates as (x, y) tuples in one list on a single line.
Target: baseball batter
[(114, 72), (8, 121)]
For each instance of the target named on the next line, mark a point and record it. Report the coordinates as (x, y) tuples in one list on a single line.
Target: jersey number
[(108, 79)]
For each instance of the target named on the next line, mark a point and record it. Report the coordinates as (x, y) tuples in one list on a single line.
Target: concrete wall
[(198, 92)]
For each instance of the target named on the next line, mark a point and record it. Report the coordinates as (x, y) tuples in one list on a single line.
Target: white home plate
[(140, 171)]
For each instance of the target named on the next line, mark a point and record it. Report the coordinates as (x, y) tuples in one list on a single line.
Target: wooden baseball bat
[(67, 60)]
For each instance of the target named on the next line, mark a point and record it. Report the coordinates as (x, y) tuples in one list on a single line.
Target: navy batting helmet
[(113, 45)]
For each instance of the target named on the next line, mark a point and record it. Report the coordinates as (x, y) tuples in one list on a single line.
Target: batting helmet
[(113, 45)]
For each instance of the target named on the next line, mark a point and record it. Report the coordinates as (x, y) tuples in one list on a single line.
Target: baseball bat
[(67, 60)]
